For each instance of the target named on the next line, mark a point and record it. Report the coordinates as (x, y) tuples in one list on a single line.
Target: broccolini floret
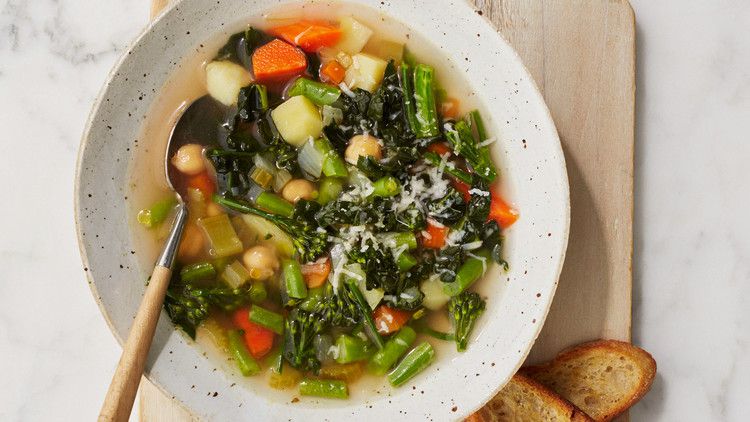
[(463, 311)]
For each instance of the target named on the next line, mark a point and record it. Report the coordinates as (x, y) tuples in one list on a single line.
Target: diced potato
[(224, 80), (354, 35), (434, 297), (385, 49), (297, 119), (366, 72)]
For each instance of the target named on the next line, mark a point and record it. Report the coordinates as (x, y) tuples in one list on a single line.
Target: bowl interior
[(121, 168)]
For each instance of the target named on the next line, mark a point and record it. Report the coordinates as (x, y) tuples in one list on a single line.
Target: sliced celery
[(235, 274), (157, 212), (221, 235)]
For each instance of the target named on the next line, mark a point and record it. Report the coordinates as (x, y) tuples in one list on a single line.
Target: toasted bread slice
[(603, 378), (525, 400)]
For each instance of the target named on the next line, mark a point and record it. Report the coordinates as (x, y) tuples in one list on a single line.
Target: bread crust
[(605, 349)]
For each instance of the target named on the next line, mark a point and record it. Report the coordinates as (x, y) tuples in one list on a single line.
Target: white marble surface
[(692, 251)]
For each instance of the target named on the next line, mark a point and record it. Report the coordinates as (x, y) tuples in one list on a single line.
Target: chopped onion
[(472, 245), (310, 159), (345, 89)]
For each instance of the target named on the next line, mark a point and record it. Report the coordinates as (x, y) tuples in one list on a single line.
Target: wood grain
[(582, 55), (122, 390)]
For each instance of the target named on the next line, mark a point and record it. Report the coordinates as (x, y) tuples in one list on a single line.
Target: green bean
[(413, 363), (397, 240), (293, 280), (198, 271), (330, 188), (318, 93), (424, 95), (407, 86), (469, 272), (274, 204), (352, 349), (268, 319), (394, 348), (333, 164), (248, 366), (406, 261), (386, 187), (331, 389)]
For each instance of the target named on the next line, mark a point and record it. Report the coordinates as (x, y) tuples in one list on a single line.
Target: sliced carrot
[(502, 212), (449, 107), (435, 235), (389, 320), (439, 148), (278, 61), (316, 273), (308, 35), (203, 182), (332, 72), (258, 339)]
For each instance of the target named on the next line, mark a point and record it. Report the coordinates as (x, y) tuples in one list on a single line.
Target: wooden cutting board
[(582, 55)]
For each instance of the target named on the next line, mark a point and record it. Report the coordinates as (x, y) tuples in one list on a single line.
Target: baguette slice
[(603, 378), (525, 400)]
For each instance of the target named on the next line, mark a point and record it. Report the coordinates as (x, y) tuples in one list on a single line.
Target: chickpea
[(189, 159), (261, 262), (362, 146), (297, 189)]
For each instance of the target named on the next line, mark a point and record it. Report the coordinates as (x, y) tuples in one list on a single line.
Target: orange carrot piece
[(502, 212), (316, 273), (203, 182), (278, 61), (332, 72), (258, 339), (463, 188), (435, 236), (308, 35), (241, 318), (389, 320)]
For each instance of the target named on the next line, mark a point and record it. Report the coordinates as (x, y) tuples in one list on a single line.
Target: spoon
[(196, 125)]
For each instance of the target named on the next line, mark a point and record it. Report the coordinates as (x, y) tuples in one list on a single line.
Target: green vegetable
[(365, 313), (394, 348), (294, 283), (274, 204), (266, 318), (352, 349), (221, 235), (331, 389), (235, 274), (330, 188), (299, 331), (197, 272), (424, 94), (413, 363), (397, 240), (406, 261), (158, 212), (248, 366), (333, 164), (459, 174), (461, 138), (471, 270), (317, 92), (463, 311), (449, 209), (308, 241), (386, 187), (407, 86)]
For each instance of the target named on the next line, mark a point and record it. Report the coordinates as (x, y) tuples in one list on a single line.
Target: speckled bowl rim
[(563, 238)]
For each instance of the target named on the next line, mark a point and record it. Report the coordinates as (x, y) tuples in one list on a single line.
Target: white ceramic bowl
[(528, 153)]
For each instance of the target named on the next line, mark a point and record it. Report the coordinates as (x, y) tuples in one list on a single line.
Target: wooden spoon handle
[(119, 400)]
